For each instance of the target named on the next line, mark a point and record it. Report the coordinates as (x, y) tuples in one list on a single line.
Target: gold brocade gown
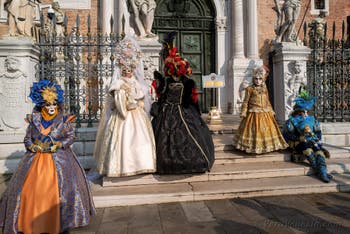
[(258, 131)]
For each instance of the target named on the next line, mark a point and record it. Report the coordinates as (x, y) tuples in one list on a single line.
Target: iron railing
[(82, 64), (328, 73)]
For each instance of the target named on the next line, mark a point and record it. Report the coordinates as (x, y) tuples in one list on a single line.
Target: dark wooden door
[(193, 20)]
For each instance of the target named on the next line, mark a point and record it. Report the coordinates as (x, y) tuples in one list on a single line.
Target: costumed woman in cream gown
[(48, 192), (125, 142), (258, 131)]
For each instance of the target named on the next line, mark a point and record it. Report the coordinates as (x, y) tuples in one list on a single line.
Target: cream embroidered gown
[(125, 142)]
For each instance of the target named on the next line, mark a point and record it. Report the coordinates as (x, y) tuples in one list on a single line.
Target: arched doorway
[(193, 20)]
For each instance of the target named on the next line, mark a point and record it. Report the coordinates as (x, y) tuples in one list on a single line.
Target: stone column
[(18, 59), (107, 12), (119, 17), (238, 64), (222, 54), (285, 55), (237, 29), (252, 29)]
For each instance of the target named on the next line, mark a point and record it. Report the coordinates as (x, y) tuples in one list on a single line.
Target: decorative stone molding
[(294, 78), (221, 24), (18, 57), (288, 75), (76, 4)]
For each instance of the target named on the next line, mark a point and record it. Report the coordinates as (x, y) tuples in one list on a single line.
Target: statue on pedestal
[(285, 30), (317, 29), (58, 28), (21, 14), (143, 16)]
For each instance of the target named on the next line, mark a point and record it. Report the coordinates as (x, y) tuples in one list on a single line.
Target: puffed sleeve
[(28, 143), (120, 102), (247, 95), (69, 136), (118, 89), (289, 132)]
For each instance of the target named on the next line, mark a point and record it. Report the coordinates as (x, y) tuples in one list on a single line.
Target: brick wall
[(83, 15)]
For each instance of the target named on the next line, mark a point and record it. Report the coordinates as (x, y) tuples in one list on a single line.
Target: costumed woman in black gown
[(183, 140)]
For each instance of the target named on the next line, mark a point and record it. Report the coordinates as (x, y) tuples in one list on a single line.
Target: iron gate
[(328, 73), (81, 63)]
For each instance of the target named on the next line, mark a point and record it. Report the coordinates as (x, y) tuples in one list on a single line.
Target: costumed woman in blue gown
[(48, 192)]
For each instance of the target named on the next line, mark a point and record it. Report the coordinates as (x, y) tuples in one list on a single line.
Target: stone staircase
[(234, 174)]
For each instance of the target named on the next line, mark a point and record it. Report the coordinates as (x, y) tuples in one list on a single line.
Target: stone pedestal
[(18, 59), (286, 54), (240, 77), (150, 49)]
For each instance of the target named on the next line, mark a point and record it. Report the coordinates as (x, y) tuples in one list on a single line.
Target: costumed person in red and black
[(48, 193), (258, 131), (183, 140), (303, 133)]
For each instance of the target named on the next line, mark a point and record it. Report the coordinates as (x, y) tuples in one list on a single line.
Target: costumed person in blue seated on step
[(183, 141), (48, 192), (258, 130), (125, 143), (303, 133)]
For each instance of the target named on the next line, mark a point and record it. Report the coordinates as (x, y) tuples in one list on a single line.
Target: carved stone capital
[(221, 24)]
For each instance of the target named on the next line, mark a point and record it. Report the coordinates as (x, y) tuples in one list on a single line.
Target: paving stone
[(251, 210), (230, 219), (144, 218), (296, 218), (172, 217), (197, 212)]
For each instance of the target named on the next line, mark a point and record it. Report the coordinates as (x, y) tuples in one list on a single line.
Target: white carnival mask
[(51, 108)]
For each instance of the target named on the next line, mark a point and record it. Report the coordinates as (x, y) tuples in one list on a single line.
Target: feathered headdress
[(128, 53), (304, 101), (46, 91), (261, 71), (174, 64)]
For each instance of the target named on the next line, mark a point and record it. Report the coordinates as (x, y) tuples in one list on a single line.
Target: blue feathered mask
[(304, 101), (46, 91)]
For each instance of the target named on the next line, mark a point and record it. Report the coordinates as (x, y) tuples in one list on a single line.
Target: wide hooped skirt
[(259, 133)]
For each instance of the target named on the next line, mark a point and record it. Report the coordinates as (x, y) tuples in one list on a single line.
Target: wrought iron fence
[(328, 73), (82, 64)]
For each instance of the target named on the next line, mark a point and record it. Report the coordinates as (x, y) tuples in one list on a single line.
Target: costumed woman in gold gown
[(258, 131), (48, 193)]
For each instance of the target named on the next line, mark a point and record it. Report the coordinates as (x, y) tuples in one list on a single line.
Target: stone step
[(223, 144), (197, 191), (230, 171)]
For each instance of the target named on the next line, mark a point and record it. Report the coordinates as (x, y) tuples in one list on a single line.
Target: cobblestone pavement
[(312, 213)]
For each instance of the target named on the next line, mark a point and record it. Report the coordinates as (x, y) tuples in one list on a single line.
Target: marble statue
[(295, 80), (317, 29), (59, 20), (142, 12), (285, 30), (21, 14)]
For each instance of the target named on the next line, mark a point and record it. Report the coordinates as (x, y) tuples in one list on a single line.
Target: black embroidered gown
[(183, 140)]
